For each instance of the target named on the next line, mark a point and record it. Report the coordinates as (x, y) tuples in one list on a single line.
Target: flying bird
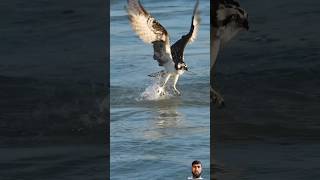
[(228, 19), (152, 32)]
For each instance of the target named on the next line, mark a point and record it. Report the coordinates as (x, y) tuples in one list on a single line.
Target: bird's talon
[(217, 99), (176, 92), (161, 91)]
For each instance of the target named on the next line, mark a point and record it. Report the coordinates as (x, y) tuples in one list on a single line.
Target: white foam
[(151, 93)]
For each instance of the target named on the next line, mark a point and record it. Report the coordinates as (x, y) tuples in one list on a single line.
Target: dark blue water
[(269, 77), (158, 139), (52, 90), (52, 69)]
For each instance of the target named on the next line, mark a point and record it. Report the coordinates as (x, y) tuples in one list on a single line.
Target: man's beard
[(196, 175)]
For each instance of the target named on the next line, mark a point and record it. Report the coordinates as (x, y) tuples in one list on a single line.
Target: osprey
[(229, 20), (152, 32)]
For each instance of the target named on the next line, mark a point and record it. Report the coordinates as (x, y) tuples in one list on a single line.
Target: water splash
[(151, 93)]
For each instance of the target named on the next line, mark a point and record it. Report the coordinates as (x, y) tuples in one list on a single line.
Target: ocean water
[(154, 138), (53, 63), (52, 85), (269, 77)]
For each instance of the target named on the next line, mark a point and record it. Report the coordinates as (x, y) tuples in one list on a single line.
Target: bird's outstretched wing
[(178, 47), (150, 31)]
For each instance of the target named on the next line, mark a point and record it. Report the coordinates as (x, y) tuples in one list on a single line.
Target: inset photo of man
[(196, 170)]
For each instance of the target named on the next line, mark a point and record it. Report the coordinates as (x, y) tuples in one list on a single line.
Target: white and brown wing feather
[(195, 23), (150, 31)]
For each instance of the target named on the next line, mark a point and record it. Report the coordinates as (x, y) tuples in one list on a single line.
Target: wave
[(196, 94), (32, 107)]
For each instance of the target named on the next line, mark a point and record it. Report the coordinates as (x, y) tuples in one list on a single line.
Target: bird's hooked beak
[(186, 68), (245, 24)]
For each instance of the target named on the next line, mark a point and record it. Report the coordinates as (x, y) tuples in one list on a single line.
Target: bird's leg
[(166, 80), (174, 85), (161, 89), (217, 98)]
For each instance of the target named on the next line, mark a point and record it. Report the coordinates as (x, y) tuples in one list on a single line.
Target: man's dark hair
[(196, 162)]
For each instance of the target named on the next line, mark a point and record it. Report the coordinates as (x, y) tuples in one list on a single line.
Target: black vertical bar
[(213, 27), (108, 85)]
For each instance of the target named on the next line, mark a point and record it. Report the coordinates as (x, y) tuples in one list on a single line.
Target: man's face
[(196, 170)]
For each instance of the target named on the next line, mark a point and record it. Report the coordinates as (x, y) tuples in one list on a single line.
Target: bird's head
[(231, 19), (181, 66)]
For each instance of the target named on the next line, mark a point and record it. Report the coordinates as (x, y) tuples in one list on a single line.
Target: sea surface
[(53, 63), (269, 77), (151, 137)]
